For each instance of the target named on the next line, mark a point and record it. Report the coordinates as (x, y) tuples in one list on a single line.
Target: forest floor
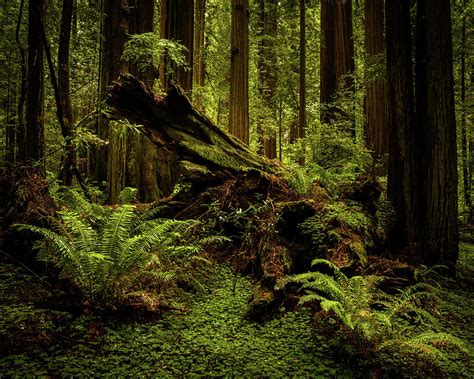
[(205, 335)]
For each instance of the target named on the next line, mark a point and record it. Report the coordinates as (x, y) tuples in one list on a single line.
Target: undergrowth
[(207, 336), (376, 327)]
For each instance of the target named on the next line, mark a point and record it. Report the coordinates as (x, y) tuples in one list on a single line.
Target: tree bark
[(376, 106), (464, 131), (302, 108), (114, 33), (344, 41), (34, 141), (204, 151), (177, 23), (115, 30), (401, 170), (199, 69), (141, 154), (438, 194), (66, 173), (327, 57), (267, 31), (239, 72), (21, 131)]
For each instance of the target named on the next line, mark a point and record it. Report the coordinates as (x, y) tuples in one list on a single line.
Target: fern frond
[(336, 270), (116, 231), (337, 308)]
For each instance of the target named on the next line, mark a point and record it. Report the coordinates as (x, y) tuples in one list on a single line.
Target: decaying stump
[(252, 202)]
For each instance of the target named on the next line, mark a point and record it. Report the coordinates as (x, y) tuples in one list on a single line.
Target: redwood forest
[(236, 188)]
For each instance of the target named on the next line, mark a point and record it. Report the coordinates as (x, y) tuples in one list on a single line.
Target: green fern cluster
[(109, 254), (340, 227), (370, 317)]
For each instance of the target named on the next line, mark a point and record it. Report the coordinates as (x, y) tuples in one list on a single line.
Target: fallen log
[(206, 154)]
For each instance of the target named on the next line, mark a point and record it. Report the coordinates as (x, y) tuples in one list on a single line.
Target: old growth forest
[(237, 188)]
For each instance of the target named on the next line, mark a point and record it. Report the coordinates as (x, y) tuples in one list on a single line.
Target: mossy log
[(205, 153)]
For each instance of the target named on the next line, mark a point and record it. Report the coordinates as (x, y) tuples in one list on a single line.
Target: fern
[(108, 261), (371, 316)]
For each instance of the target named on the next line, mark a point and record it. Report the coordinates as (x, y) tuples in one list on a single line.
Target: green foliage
[(370, 318), (146, 50), (208, 338), (109, 254), (339, 226)]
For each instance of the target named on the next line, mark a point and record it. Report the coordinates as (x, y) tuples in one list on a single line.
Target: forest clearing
[(238, 188)]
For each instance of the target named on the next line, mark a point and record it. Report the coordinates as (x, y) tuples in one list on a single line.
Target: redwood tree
[(66, 173), (32, 147), (177, 23), (327, 57), (115, 30), (268, 18), (302, 108), (401, 170), (199, 49), (376, 111), (140, 152), (336, 53), (438, 196), (239, 72)]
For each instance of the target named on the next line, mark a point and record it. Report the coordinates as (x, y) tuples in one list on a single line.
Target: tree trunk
[(376, 106), (464, 132), (401, 170), (66, 174), (177, 23), (204, 151), (141, 154), (327, 57), (21, 131), (115, 29), (34, 143), (437, 133), (344, 41), (239, 72), (199, 68), (267, 31), (302, 108)]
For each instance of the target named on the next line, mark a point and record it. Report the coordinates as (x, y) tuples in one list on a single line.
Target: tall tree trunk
[(10, 112), (239, 72), (34, 144), (114, 28), (21, 130), (66, 174), (464, 132), (268, 17), (376, 106), (345, 65), (438, 194), (199, 68), (327, 57), (344, 41), (401, 168), (141, 153), (302, 108), (177, 23), (115, 34), (337, 56)]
